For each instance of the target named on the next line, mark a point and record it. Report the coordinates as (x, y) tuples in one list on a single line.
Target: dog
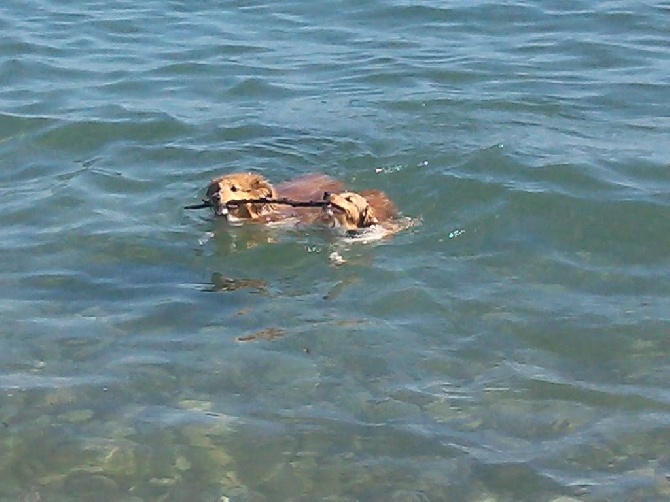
[(352, 213), (244, 186)]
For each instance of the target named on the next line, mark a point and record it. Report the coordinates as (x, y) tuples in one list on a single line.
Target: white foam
[(369, 234)]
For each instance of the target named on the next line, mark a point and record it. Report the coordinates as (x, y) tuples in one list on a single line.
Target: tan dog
[(244, 186), (352, 212), (240, 186)]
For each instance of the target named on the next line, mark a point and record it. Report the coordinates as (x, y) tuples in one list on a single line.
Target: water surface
[(512, 347)]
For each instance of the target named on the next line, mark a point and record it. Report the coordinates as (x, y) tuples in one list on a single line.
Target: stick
[(288, 202), (204, 204), (284, 201)]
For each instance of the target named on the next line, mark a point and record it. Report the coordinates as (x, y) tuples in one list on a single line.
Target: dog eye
[(233, 188), (348, 199)]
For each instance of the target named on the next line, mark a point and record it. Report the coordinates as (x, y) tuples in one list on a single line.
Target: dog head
[(240, 186), (349, 211)]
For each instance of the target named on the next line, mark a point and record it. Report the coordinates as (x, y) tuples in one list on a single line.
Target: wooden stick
[(288, 202)]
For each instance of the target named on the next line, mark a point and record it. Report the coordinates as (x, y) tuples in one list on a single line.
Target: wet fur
[(238, 186), (352, 212)]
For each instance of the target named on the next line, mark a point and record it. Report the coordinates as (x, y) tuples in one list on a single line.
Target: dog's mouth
[(334, 213), (220, 209), (337, 217), (233, 211), (332, 208)]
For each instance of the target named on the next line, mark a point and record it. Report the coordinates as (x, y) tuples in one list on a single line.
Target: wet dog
[(247, 186), (352, 213)]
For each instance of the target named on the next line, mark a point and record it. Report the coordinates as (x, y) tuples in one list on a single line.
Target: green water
[(512, 347)]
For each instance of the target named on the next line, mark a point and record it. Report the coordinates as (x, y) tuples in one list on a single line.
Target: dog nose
[(326, 195)]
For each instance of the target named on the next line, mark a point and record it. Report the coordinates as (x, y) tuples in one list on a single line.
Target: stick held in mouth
[(288, 202), (202, 205)]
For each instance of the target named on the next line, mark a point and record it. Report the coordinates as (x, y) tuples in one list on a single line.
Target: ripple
[(510, 347), (24, 382)]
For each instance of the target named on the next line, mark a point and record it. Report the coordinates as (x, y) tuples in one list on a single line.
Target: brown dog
[(244, 186), (351, 212)]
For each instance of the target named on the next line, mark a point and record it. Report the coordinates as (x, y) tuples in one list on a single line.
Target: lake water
[(513, 347)]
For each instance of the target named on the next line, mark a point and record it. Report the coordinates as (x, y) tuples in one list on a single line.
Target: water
[(512, 347)]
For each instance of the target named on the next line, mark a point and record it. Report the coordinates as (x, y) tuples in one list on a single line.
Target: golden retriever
[(244, 186), (351, 212)]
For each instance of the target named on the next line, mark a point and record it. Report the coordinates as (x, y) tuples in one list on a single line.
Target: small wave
[(24, 381)]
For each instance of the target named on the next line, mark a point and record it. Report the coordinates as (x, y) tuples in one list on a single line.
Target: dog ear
[(212, 189), (367, 218), (264, 189), (383, 207)]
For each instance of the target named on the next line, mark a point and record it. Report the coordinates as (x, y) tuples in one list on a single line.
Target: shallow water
[(514, 346)]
